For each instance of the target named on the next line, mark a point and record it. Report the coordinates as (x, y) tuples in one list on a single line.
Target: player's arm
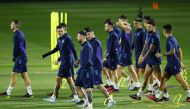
[(86, 57), (151, 49), (180, 54), (110, 45), (170, 49), (145, 48), (170, 53), (124, 26), (51, 52), (71, 45), (16, 47)]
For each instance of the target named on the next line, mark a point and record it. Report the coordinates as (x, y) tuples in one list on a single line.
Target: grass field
[(35, 19)]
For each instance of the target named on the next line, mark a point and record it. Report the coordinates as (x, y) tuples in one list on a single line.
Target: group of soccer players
[(119, 46)]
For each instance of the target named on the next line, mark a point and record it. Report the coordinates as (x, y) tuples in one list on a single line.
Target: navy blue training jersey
[(66, 49), (97, 53), (112, 44), (86, 55), (19, 49), (139, 40), (171, 43), (155, 40), (126, 43)]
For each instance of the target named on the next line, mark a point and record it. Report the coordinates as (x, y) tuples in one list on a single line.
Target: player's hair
[(17, 22), (109, 22), (83, 33), (58, 27), (167, 28), (63, 25), (138, 19), (152, 22), (123, 17), (87, 29), (147, 18)]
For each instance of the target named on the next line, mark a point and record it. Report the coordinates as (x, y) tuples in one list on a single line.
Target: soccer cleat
[(135, 97), (50, 99), (75, 100), (106, 86), (50, 94), (111, 103), (80, 102), (152, 97), (89, 106), (5, 95), (148, 92), (115, 91), (133, 88), (187, 99), (164, 99), (110, 89), (27, 96)]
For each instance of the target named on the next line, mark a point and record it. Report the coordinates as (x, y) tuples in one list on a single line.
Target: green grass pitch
[(35, 19)]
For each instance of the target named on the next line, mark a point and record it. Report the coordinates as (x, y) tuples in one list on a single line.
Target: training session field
[(35, 22)]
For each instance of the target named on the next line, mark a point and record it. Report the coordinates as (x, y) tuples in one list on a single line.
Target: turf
[(35, 18)]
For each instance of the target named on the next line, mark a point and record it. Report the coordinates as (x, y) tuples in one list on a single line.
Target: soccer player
[(138, 44), (153, 81), (112, 53), (97, 64), (126, 52), (106, 71), (72, 68), (66, 49), (85, 72), (20, 61), (173, 67), (153, 62)]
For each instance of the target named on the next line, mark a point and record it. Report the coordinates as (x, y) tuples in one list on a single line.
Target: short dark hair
[(58, 27), (123, 17), (87, 29), (138, 19), (108, 21), (63, 25), (82, 33), (168, 28), (147, 18), (152, 22), (17, 22)]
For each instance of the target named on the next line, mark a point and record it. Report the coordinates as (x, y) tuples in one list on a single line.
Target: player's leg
[(89, 96), (52, 99), (109, 98), (148, 71), (179, 77), (27, 84), (108, 76), (11, 85), (136, 84), (162, 88), (115, 79), (72, 87)]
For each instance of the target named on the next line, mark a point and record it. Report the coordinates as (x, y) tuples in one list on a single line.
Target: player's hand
[(158, 55), (76, 64), (182, 65), (56, 62), (141, 59), (43, 56), (13, 60)]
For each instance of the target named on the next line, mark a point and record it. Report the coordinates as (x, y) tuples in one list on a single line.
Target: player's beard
[(80, 41), (150, 32)]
